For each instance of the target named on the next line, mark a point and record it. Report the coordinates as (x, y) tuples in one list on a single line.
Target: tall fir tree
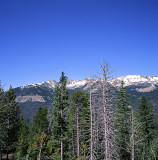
[(79, 125), (85, 126), (58, 122), (11, 120), (146, 132), (40, 121), (122, 124), (38, 136), (23, 140)]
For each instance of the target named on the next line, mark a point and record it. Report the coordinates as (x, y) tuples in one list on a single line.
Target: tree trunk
[(27, 156), (133, 145), (39, 155), (7, 155), (78, 141), (73, 147), (61, 136), (107, 115), (91, 127), (0, 154), (7, 146), (8, 134), (61, 145), (105, 122)]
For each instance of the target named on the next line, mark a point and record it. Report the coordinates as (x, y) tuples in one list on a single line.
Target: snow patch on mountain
[(87, 82), (49, 84), (37, 90), (72, 84), (134, 80)]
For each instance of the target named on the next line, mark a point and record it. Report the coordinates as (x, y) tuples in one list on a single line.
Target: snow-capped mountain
[(31, 96), (73, 84), (134, 80), (37, 92), (42, 92), (49, 84)]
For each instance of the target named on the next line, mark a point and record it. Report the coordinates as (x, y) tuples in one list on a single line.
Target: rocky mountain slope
[(31, 96)]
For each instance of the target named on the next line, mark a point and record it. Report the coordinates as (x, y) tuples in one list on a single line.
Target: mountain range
[(31, 96)]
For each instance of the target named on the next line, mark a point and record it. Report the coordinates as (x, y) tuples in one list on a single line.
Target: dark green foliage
[(23, 140), (2, 135), (85, 126), (33, 141), (11, 115), (38, 136), (78, 114), (146, 130), (38, 146), (40, 121), (122, 124), (58, 122)]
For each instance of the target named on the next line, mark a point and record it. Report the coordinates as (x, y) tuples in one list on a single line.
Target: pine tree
[(23, 140), (122, 124), (40, 121), (153, 149), (85, 126), (40, 144), (11, 120), (145, 133), (79, 125), (58, 122), (38, 137)]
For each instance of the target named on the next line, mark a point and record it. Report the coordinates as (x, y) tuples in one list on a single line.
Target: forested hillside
[(97, 121)]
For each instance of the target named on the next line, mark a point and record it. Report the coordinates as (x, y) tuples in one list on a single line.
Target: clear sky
[(41, 38)]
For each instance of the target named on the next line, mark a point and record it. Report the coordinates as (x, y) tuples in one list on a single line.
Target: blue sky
[(41, 38)]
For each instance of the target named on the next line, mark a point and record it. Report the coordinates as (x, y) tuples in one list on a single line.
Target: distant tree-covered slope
[(31, 96)]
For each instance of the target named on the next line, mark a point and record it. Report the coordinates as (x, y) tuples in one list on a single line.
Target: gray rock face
[(30, 98)]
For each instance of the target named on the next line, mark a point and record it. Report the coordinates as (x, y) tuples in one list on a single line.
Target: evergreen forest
[(81, 126)]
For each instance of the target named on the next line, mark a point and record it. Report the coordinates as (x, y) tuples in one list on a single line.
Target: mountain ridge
[(31, 96), (115, 81)]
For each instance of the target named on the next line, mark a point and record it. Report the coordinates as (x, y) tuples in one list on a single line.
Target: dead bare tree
[(107, 112), (101, 99)]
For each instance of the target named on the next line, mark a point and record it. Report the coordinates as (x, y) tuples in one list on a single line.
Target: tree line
[(92, 125)]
